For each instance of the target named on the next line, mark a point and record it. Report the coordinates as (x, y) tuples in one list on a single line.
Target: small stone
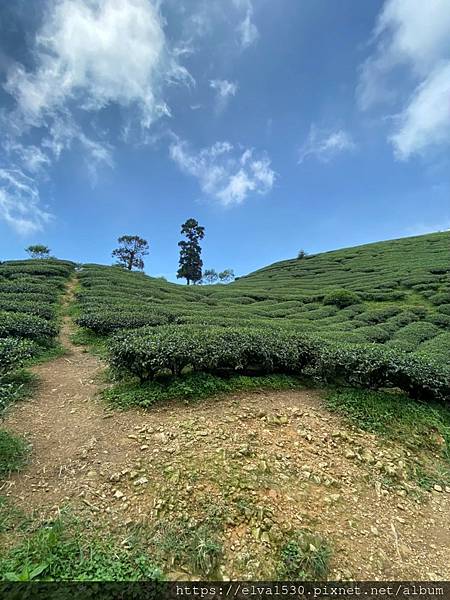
[(350, 454), (132, 436), (118, 494), (141, 481), (265, 538), (437, 488), (92, 474), (374, 531), (447, 489), (144, 447), (115, 477)]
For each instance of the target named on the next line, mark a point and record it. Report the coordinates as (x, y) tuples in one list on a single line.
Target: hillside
[(291, 425), (397, 293)]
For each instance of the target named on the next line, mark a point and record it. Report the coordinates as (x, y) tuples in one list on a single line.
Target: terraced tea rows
[(29, 294), (373, 315)]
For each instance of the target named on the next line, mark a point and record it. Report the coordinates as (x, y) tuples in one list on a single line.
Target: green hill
[(397, 293)]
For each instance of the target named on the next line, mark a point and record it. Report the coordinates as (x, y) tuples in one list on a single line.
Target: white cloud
[(325, 145), (224, 91), (225, 173), (97, 53), (425, 122), (88, 55), (19, 202), (409, 68), (247, 30)]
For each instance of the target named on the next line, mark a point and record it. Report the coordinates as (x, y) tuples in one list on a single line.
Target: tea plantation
[(29, 296), (375, 316)]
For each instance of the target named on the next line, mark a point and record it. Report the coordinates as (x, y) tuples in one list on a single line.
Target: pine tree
[(190, 265)]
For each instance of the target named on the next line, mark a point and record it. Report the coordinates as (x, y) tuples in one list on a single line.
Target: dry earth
[(256, 465)]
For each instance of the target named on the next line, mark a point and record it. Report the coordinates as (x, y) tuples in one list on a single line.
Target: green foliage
[(145, 352), (288, 297), (341, 298), (192, 386), (376, 366), (190, 252), (13, 453), (226, 275), (199, 549), (131, 251), (106, 322), (210, 276), (61, 551), (13, 352), (304, 557), (393, 415), (27, 326), (38, 251)]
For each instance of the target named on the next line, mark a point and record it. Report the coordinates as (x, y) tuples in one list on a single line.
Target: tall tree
[(38, 251), (130, 252), (226, 275), (210, 276), (190, 265)]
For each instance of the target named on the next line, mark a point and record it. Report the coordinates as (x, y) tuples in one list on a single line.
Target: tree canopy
[(38, 251), (131, 251), (190, 264)]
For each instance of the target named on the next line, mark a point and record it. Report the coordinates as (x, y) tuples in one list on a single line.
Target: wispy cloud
[(20, 202), (225, 90), (324, 145), (225, 173), (409, 69), (247, 30), (87, 56)]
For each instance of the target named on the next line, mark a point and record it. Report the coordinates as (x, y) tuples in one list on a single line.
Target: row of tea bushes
[(147, 352), (29, 295)]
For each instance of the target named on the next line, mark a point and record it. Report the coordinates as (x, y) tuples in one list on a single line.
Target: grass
[(69, 550), (92, 341), (197, 550), (15, 387), (191, 387), (52, 352), (304, 557), (13, 453), (423, 428)]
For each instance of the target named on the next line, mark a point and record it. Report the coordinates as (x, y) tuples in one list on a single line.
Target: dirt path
[(265, 462)]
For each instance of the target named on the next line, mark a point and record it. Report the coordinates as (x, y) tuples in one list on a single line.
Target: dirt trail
[(282, 456)]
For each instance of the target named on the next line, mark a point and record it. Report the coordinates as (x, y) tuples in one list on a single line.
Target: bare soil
[(263, 463)]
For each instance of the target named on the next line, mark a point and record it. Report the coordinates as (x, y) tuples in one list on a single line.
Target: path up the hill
[(285, 458)]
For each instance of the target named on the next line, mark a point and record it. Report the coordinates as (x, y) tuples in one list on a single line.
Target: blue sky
[(277, 125)]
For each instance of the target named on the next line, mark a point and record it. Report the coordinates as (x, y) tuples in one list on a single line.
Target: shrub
[(412, 335), (341, 298), (26, 326), (380, 315), (45, 311), (377, 366), (211, 349), (444, 309), (12, 354), (104, 323), (440, 298)]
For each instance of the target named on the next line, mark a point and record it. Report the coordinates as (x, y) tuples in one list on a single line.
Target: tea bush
[(13, 352), (341, 298), (23, 325)]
